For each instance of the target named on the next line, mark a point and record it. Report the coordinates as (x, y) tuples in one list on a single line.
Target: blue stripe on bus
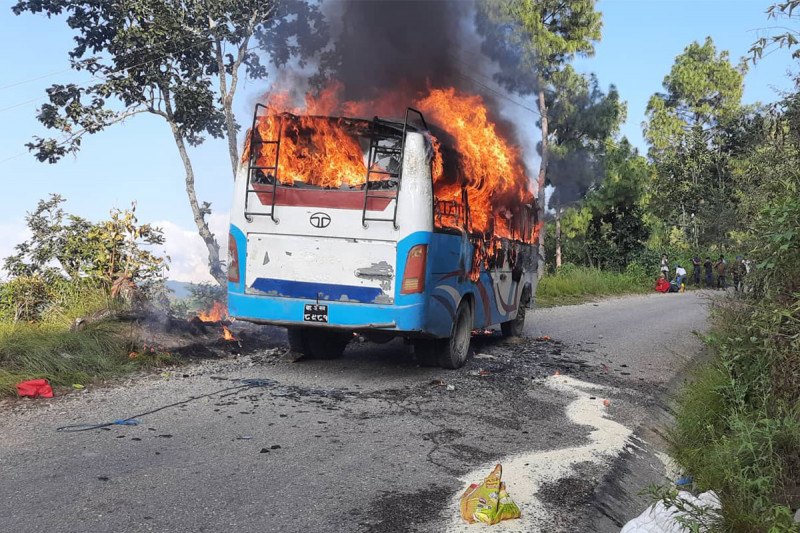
[(426, 312), (291, 310), (316, 291)]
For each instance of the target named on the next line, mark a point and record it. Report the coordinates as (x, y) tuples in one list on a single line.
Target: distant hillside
[(180, 289)]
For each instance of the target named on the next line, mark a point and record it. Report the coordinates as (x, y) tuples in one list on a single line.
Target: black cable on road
[(133, 420)]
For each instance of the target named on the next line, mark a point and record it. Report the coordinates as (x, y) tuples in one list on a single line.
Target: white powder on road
[(608, 438)]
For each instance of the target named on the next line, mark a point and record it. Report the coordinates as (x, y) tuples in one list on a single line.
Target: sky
[(138, 161)]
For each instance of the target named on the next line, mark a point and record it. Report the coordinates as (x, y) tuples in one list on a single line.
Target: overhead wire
[(498, 92), (90, 80), (108, 74), (206, 39), (94, 78), (30, 80), (9, 158)]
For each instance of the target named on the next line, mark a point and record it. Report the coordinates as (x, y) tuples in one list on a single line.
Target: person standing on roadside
[(696, 263), (738, 271), (665, 266), (709, 267), (722, 272)]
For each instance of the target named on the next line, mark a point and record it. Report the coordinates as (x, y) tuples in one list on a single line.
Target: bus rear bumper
[(349, 316)]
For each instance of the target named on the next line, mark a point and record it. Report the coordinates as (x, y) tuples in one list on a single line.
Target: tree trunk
[(230, 127), (540, 200), (558, 237), (214, 264), (227, 102)]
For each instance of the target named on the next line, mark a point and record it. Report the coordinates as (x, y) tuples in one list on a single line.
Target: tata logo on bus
[(320, 220)]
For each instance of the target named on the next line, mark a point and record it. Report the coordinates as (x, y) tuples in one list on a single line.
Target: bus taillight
[(414, 275), (233, 260)]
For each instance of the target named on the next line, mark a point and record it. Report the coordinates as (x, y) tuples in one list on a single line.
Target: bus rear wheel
[(515, 328), (453, 351), (318, 343)]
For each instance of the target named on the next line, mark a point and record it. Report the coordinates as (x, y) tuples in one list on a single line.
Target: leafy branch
[(790, 37)]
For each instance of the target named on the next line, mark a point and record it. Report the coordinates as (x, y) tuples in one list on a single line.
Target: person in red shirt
[(662, 285)]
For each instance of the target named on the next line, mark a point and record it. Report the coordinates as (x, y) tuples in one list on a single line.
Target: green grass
[(64, 357), (49, 349), (574, 285), (736, 432)]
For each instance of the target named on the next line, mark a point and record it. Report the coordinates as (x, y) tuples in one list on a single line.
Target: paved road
[(368, 443)]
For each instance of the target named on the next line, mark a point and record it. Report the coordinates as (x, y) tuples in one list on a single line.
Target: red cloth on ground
[(35, 388), (662, 285)]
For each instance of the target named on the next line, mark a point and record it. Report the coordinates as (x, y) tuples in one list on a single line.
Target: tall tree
[(702, 91), (582, 118), (685, 129), (176, 59), (532, 40), (608, 223)]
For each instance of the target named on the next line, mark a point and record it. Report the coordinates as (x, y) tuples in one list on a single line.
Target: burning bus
[(383, 227)]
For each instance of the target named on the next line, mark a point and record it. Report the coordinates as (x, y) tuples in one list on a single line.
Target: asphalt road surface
[(368, 443)]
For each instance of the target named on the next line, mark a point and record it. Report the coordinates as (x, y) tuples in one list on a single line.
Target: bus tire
[(323, 344), (426, 352), (453, 351), (297, 340), (515, 328)]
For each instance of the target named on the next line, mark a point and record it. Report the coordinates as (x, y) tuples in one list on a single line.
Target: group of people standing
[(715, 273)]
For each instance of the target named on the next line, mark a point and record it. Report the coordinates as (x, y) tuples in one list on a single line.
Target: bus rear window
[(323, 152)]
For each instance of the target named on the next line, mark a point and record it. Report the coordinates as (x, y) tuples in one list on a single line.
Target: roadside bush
[(734, 433), (202, 297), (67, 270), (65, 253), (25, 298), (649, 259), (738, 424), (638, 274)]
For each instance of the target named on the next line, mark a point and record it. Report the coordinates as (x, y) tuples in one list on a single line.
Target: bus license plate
[(315, 313)]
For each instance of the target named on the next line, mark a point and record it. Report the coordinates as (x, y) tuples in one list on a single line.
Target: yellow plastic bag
[(488, 502), (506, 508)]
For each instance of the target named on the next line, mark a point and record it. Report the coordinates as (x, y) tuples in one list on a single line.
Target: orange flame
[(326, 152), (215, 314), (490, 168), (227, 335), (320, 151)]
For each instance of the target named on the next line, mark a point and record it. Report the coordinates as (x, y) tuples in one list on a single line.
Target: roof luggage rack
[(256, 172), (377, 152)]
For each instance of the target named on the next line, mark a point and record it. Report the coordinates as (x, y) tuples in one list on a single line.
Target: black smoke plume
[(381, 46)]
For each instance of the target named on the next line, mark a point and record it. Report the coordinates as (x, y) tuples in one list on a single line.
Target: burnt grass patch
[(264, 344)]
